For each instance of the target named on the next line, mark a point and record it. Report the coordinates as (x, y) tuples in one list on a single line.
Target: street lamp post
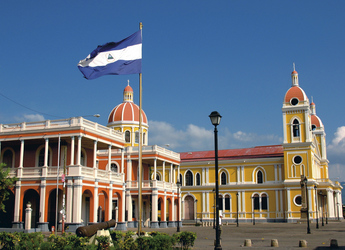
[(237, 207), (215, 120), (317, 208), (214, 209), (253, 210), (305, 182)]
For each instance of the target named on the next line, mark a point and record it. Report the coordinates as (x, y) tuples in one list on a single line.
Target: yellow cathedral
[(264, 183)]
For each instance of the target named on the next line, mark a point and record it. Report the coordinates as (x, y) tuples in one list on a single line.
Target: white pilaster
[(109, 157), (46, 152), (95, 154), (42, 200), (77, 200), (79, 150), (95, 203), (72, 149), (69, 203)]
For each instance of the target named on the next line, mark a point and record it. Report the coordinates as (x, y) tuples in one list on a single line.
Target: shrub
[(30, 240), (8, 240), (186, 239)]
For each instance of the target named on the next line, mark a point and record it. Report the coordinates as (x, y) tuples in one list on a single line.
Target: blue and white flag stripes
[(114, 58)]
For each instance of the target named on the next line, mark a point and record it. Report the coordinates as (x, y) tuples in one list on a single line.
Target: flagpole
[(140, 148)]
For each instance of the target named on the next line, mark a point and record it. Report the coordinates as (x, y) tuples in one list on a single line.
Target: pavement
[(288, 235)]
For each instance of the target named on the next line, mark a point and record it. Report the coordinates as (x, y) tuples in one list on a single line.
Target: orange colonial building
[(100, 181)]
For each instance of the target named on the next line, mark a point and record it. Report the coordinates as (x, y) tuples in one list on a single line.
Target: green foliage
[(30, 240), (103, 242), (67, 241), (9, 240), (186, 239), (6, 182)]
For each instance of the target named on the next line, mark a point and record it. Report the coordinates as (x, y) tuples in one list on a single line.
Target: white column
[(154, 169), (79, 150), (21, 159), (122, 161), (109, 157), (110, 207), (242, 174), (238, 174), (129, 205), (284, 127), (95, 203), (46, 152), (72, 150), (42, 200), (330, 204), (163, 179), (129, 169), (123, 204), (17, 201), (94, 154), (77, 200), (288, 200), (203, 204), (178, 174), (172, 208), (164, 212), (171, 173), (69, 203)]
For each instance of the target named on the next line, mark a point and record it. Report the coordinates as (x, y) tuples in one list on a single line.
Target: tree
[(6, 182)]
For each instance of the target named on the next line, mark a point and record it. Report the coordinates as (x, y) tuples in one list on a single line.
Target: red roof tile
[(232, 154)]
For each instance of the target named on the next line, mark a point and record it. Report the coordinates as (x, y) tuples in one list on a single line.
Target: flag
[(114, 58)]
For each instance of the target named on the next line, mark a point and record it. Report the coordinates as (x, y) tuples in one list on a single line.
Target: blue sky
[(198, 56)]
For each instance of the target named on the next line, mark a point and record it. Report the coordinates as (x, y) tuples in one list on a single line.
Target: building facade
[(88, 172), (264, 183)]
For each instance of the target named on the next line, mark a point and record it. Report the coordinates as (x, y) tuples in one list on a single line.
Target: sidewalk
[(261, 234)]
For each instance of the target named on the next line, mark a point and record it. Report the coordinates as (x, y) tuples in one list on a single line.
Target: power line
[(28, 107)]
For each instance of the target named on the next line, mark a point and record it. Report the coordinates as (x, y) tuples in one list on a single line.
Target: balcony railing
[(152, 184), (62, 123), (52, 172)]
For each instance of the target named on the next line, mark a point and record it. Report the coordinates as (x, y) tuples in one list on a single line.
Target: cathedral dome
[(295, 94), (315, 120), (126, 112)]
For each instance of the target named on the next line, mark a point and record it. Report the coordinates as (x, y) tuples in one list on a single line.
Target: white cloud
[(336, 155), (29, 118), (195, 138)]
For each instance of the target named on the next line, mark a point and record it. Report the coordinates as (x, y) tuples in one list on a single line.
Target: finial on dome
[(294, 76), (128, 82)]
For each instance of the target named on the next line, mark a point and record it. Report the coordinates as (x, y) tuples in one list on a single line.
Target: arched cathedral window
[(189, 178), (259, 177), (295, 128), (223, 178)]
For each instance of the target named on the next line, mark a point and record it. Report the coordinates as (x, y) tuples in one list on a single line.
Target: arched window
[(128, 136), (158, 177), (113, 167), (264, 204), (295, 128), (259, 177), (197, 179), (223, 178), (137, 137), (220, 202), (7, 158), (189, 178), (227, 202), (256, 202)]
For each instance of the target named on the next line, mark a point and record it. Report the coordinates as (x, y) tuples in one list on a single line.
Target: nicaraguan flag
[(114, 58)]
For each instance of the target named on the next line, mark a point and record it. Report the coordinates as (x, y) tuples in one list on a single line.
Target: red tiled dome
[(126, 112), (295, 92), (315, 120)]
